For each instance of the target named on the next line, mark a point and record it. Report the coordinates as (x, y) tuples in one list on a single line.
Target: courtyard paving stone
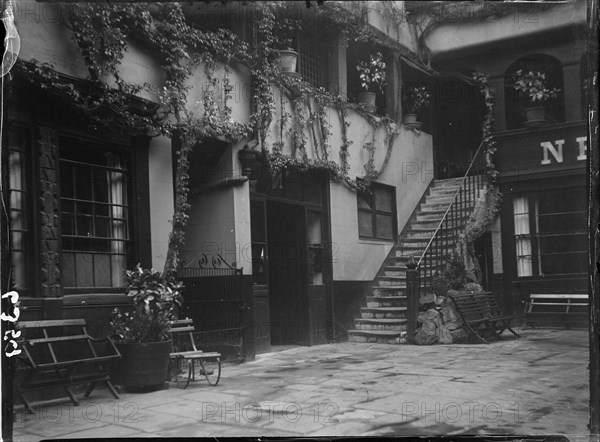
[(535, 385)]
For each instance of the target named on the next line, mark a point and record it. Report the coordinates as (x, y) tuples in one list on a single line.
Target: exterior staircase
[(383, 318)]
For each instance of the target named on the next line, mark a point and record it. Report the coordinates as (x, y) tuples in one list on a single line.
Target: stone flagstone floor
[(535, 385)]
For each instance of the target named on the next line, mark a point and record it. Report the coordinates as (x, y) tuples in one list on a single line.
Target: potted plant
[(284, 32), (372, 80), (531, 85), (415, 98), (142, 334)]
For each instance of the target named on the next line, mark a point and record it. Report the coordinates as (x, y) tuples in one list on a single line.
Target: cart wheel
[(211, 370), (185, 374)]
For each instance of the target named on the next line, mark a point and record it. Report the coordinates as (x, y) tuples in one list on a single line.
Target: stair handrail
[(435, 233)]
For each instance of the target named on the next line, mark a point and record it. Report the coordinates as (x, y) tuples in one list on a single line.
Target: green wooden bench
[(482, 316), (61, 353)]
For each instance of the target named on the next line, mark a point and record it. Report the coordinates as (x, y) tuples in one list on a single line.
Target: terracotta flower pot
[(288, 60), (536, 116), (410, 121), (143, 364), (367, 99)]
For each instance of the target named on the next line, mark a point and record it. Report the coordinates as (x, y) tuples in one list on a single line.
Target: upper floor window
[(312, 58), (94, 215), (377, 213), (516, 104)]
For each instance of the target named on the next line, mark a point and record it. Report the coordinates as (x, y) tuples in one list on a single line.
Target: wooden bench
[(61, 353), (554, 309), (482, 316), (184, 356)]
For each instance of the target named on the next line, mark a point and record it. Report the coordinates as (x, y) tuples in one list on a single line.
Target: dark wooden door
[(286, 238), (260, 330)]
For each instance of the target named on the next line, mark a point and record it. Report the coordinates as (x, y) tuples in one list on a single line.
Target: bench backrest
[(181, 335), (53, 341), (477, 305), (558, 302)]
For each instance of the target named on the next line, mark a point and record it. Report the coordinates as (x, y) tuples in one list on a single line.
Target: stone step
[(436, 217), (396, 285), (444, 198), (380, 324), (446, 191), (432, 208), (430, 217), (440, 208), (377, 336), (423, 238), (447, 181), (414, 245), (384, 281), (399, 271), (425, 224), (383, 312), (386, 301), (383, 291)]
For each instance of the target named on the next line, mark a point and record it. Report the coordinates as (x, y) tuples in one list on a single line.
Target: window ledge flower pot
[(536, 116), (410, 121), (288, 60), (367, 99)]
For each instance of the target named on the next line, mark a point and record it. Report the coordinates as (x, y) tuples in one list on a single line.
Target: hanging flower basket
[(288, 60)]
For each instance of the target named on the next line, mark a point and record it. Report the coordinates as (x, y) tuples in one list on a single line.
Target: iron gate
[(213, 298)]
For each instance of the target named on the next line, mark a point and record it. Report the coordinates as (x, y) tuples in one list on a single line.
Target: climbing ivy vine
[(103, 32)]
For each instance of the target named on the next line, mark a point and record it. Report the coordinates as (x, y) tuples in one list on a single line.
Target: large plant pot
[(142, 364), (288, 61), (367, 99), (536, 116), (410, 121)]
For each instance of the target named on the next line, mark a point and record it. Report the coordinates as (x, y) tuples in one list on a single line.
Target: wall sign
[(556, 150), (559, 150)]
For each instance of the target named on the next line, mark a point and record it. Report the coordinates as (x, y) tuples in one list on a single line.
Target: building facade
[(288, 257)]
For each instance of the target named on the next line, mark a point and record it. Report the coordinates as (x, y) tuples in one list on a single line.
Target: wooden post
[(412, 299)]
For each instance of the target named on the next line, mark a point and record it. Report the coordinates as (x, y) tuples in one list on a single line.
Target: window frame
[(89, 142), (374, 212), (31, 251), (535, 236)]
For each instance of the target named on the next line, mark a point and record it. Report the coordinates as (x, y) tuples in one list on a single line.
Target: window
[(315, 246), (20, 196), (94, 216), (522, 236), (377, 213), (550, 233), (561, 232), (312, 59)]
